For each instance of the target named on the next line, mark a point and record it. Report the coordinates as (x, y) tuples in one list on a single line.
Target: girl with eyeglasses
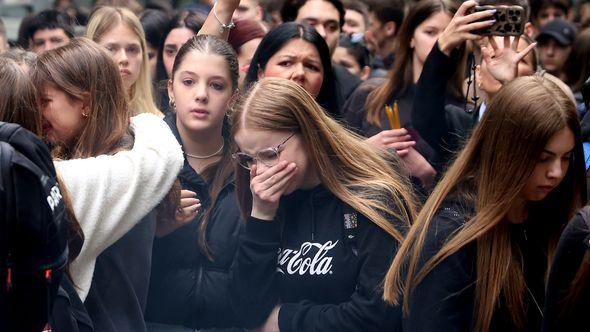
[(191, 259), (325, 212)]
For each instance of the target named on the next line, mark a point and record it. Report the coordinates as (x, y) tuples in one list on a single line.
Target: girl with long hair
[(446, 126), (365, 110), (86, 116), (121, 33), (297, 52), (204, 82), (477, 256), (325, 212)]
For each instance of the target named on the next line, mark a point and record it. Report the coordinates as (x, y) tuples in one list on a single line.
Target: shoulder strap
[(350, 218)]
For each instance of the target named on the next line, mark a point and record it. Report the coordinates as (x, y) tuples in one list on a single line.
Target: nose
[(123, 59), (550, 50), (201, 92), (320, 29), (298, 74), (557, 169)]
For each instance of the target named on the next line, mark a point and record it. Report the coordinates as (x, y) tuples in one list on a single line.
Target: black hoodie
[(444, 300), (573, 245), (325, 273)]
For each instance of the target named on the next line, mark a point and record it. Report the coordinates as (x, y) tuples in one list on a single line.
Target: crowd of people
[(296, 165)]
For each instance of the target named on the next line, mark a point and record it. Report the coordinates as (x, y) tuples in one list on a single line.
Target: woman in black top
[(477, 256), (192, 256), (365, 109), (325, 211), (446, 126), (568, 294)]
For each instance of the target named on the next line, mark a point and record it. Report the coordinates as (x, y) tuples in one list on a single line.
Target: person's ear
[(365, 73), (171, 101), (390, 29)]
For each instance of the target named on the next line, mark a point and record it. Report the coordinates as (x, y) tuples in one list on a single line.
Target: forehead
[(318, 10), (439, 19), (298, 47), (47, 33), (120, 33), (204, 64), (179, 36)]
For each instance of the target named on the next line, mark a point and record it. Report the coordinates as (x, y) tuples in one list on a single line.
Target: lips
[(200, 113), (546, 188), (46, 127), (124, 72)]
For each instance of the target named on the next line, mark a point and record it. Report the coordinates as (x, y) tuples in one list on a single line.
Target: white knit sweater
[(111, 194)]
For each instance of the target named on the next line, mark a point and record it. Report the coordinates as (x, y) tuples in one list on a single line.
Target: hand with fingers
[(187, 210), (461, 26), (419, 167), (502, 63), (397, 139), (268, 187)]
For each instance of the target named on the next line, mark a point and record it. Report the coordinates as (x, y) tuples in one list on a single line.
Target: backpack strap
[(350, 218), (6, 155), (585, 213)]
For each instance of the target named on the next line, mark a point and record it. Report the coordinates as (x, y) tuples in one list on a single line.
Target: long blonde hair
[(141, 99), (496, 164), (364, 177)]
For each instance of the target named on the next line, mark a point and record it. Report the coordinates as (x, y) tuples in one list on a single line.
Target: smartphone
[(510, 20)]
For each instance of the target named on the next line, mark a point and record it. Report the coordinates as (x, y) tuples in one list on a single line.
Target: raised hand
[(502, 63), (461, 26), (187, 210), (397, 139), (268, 187)]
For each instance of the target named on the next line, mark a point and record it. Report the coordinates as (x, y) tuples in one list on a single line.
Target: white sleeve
[(111, 194)]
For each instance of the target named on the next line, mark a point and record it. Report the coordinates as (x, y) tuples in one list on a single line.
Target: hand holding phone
[(509, 20)]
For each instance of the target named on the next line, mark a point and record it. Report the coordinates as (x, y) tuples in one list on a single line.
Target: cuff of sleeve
[(262, 230), (286, 314)]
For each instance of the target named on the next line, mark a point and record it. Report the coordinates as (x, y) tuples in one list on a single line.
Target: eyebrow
[(554, 154), (188, 72)]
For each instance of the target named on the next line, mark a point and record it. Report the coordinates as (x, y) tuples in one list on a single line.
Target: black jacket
[(344, 84), (325, 273), (573, 246), (69, 313), (117, 297), (444, 299), (443, 125), (186, 287)]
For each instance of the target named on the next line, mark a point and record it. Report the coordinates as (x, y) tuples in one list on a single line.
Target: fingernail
[(493, 11)]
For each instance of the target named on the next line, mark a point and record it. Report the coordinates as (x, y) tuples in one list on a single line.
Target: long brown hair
[(18, 104), (401, 75), (366, 178), (217, 174), (18, 100), (104, 19), (85, 71), (528, 111)]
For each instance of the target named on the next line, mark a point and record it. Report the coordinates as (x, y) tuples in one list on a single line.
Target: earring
[(85, 114), (479, 85), (172, 105)]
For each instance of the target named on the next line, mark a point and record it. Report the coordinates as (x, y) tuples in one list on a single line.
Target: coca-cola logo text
[(302, 262)]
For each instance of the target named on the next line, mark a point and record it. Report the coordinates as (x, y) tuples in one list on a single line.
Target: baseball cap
[(562, 31)]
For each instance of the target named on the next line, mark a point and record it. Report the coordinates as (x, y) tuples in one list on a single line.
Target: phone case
[(510, 21)]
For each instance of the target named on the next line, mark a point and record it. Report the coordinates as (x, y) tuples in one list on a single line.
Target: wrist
[(444, 46), (263, 214)]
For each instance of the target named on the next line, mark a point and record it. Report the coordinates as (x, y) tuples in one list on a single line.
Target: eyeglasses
[(269, 156)]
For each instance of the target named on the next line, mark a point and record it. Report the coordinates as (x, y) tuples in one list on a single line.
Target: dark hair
[(577, 66), (291, 8), (19, 103), (357, 49), (400, 77), (219, 173), (276, 39), (192, 20), (537, 5), (50, 19), (388, 11), (154, 23), (359, 7)]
